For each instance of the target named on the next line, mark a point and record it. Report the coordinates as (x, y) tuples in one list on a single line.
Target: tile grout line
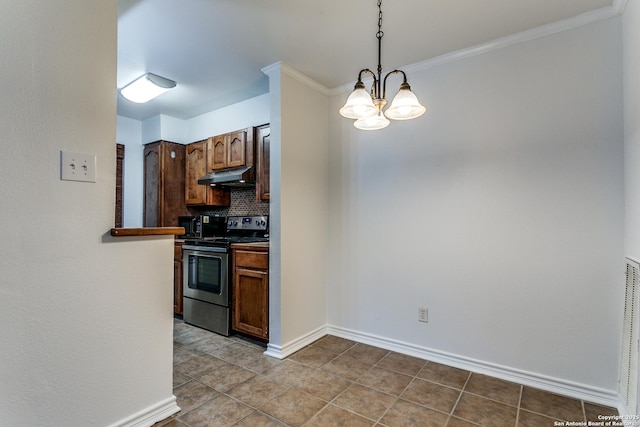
[(317, 369), (397, 398), (519, 402), (363, 385), (187, 351), (455, 405), (256, 373)]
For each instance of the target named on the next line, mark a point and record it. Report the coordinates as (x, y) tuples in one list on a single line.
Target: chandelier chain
[(380, 33)]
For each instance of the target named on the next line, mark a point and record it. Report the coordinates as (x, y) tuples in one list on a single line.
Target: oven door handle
[(204, 248)]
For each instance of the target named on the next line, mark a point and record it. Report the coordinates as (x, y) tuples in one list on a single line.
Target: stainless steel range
[(207, 272)]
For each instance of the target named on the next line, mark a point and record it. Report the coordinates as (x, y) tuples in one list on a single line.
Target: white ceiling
[(215, 49)]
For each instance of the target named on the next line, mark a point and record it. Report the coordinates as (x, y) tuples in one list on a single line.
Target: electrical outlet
[(77, 167), (423, 314)]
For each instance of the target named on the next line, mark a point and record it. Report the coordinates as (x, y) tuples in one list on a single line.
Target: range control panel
[(248, 223)]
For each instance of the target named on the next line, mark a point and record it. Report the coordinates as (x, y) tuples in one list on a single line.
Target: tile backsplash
[(243, 202)]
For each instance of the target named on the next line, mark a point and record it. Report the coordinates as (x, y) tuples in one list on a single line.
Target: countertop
[(261, 246)]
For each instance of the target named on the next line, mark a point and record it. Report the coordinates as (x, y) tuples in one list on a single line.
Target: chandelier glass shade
[(366, 107), (377, 121), (359, 104), (405, 105)]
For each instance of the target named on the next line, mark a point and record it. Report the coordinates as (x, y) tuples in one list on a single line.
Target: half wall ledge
[(147, 231)]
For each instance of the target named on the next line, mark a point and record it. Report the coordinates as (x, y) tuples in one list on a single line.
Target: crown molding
[(604, 13), (619, 6), (296, 75)]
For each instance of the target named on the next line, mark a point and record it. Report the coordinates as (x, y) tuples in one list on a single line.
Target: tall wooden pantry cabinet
[(164, 164)]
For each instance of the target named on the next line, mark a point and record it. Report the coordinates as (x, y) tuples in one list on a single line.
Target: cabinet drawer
[(250, 259)]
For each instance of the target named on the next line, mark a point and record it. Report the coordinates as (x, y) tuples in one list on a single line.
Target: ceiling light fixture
[(366, 107), (146, 87)]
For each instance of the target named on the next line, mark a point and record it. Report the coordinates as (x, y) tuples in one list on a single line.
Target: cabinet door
[(263, 152), (217, 196), (216, 153), (236, 153), (163, 184), (177, 279), (119, 184), (251, 302), (195, 167), (151, 185), (172, 184)]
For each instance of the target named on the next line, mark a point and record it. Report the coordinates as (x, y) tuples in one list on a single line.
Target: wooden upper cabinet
[(196, 167), (230, 150), (263, 146), (236, 149), (217, 152)]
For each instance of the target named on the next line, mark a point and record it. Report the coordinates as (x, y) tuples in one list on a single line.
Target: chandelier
[(366, 107)]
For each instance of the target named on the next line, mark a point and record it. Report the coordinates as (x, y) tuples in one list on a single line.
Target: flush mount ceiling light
[(366, 107), (146, 87)]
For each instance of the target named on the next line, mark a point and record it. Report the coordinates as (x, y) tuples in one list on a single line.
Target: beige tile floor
[(221, 381)]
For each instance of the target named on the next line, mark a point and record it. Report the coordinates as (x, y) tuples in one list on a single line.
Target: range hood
[(239, 177)]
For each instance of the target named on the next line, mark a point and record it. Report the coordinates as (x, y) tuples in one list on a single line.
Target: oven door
[(205, 274)]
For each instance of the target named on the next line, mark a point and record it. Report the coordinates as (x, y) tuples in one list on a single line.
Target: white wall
[(501, 210), (631, 71), (85, 321), (252, 112), (165, 128), (631, 44), (299, 206)]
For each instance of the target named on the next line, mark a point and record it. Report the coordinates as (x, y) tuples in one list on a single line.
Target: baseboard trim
[(151, 415), (280, 352), (553, 385)]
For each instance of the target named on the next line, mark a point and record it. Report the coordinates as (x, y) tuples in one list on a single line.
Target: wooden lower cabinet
[(119, 184), (250, 293), (177, 278)]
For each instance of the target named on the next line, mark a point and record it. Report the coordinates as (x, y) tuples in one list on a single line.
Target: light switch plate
[(77, 166)]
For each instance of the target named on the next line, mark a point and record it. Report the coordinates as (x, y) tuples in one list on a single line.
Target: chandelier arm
[(384, 86), (366, 70), (376, 81)]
